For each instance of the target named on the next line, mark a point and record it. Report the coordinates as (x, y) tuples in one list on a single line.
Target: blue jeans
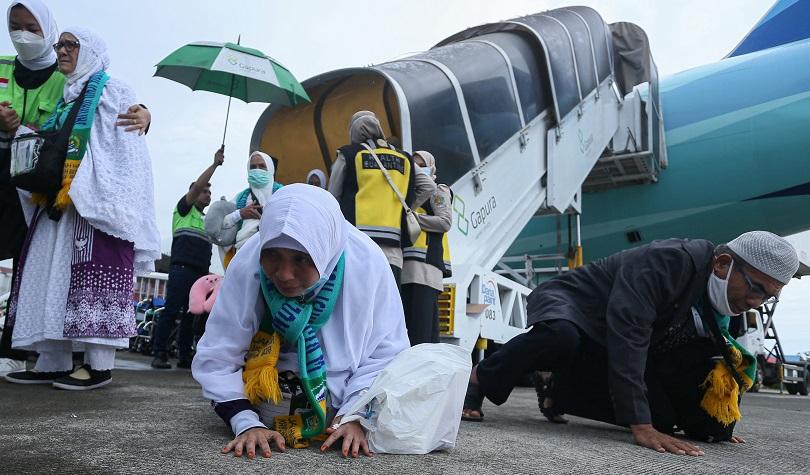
[(181, 278)]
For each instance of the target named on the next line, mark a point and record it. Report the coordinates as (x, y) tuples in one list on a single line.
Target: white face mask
[(718, 292), (29, 45)]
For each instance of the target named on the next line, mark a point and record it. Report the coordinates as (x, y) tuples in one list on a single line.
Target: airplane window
[(436, 123), (528, 64), (487, 89)]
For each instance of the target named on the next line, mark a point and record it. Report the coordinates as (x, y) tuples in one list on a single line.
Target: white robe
[(46, 275), (364, 333)]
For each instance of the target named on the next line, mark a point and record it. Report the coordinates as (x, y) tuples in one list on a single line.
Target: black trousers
[(181, 278), (397, 271), (580, 367), (420, 303)]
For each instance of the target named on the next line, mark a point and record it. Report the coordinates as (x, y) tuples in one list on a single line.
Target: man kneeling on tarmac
[(640, 339)]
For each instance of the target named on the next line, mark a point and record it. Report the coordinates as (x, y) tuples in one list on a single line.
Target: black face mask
[(29, 79)]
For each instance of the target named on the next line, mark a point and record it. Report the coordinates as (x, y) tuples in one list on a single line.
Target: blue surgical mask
[(259, 178)]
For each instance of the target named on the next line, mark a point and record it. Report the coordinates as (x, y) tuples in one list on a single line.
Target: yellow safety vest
[(367, 200)]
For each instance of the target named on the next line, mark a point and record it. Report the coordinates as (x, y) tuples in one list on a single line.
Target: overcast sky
[(311, 37)]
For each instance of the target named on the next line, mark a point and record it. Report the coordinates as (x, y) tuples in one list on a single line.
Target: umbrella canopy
[(232, 70)]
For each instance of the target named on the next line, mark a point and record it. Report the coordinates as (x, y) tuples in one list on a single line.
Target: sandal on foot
[(472, 402), (542, 386)]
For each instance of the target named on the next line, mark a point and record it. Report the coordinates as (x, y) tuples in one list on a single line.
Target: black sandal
[(472, 402), (543, 387)]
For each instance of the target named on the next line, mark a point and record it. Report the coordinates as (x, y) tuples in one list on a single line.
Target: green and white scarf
[(296, 321)]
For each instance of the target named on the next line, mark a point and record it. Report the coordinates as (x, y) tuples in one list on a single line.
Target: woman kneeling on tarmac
[(307, 317)]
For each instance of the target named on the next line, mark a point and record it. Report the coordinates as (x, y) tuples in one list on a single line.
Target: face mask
[(259, 178), (29, 45), (718, 292)]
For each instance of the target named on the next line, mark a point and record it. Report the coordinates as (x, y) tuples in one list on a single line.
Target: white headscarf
[(318, 173), (366, 329), (49, 29), (113, 188), (250, 226), (263, 194), (92, 59)]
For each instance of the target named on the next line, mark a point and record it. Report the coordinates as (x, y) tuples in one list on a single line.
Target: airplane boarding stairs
[(604, 140)]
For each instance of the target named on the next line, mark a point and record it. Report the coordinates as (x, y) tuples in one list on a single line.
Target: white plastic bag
[(414, 405)]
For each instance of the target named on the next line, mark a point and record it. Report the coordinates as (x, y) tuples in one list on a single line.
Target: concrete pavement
[(157, 422)]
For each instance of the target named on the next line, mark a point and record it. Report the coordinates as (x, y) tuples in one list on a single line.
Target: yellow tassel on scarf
[(260, 374), (62, 200), (68, 173), (722, 395)]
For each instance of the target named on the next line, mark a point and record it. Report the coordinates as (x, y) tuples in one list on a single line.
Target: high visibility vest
[(38, 103), (193, 223), (430, 248), (367, 200)]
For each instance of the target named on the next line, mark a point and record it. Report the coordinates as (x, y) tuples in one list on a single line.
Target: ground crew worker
[(427, 262), (365, 196)]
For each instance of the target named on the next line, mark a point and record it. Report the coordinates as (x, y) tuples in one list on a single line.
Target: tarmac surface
[(149, 421)]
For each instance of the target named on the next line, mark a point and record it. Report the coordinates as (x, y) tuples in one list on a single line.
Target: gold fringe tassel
[(62, 198), (721, 398), (260, 374)]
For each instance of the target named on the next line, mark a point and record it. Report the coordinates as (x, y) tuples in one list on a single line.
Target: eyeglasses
[(756, 290), (67, 44)]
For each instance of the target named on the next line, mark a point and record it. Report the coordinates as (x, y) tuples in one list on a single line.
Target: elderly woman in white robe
[(309, 297), (74, 286)]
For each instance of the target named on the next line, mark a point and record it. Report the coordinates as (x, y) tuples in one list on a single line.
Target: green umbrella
[(235, 71)]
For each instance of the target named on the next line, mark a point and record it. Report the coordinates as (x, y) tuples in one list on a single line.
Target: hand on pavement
[(645, 435), (248, 441), (354, 439)]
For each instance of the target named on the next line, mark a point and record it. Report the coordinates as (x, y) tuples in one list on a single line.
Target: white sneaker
[(10, 366)]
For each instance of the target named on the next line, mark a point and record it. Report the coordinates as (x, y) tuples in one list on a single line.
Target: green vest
[(38, 103), (193, 223)]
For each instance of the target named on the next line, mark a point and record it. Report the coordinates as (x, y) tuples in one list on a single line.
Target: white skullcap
[(768, 253)]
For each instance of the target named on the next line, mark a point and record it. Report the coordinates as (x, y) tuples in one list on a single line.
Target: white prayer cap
[(768, 253)]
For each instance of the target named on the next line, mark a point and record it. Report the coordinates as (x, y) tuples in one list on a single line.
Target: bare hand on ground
[(136, 118), (9, 120), (248, 441), (251, 211), (645, 435), (354, 439), (736, 440)]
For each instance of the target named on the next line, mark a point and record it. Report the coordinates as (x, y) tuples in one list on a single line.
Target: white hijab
[(113, 188), (49, 29), (318, 173), (250, 226), (263, 194), (366, 329), (92, 59)]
